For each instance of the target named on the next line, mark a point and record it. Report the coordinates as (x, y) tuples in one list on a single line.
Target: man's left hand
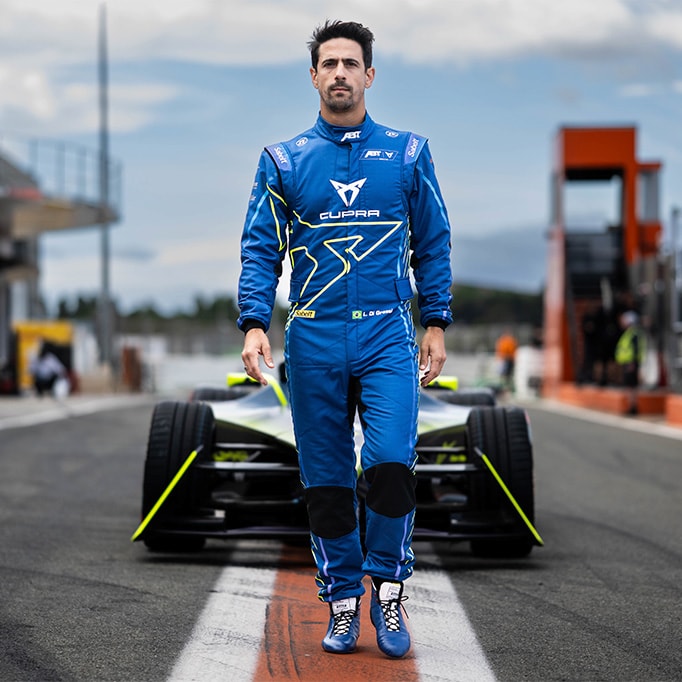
[(432, 354)]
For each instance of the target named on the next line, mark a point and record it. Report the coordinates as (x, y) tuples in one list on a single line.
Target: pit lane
[(599, 601)]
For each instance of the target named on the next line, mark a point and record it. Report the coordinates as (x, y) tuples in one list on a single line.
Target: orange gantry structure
[(613, 265)]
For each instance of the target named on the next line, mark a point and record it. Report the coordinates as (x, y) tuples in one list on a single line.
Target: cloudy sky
[(198, 87)]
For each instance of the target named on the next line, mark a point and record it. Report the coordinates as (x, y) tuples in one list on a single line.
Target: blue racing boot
[(393, 636), (344, 626)]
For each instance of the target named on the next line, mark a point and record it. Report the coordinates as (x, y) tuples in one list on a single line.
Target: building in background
[(45, 186)]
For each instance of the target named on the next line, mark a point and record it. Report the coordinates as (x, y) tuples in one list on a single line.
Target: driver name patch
[(361, 314)]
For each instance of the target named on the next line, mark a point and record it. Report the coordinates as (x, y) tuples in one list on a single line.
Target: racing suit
[(355, 208)]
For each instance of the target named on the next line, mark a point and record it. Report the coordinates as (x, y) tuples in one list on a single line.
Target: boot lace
[(391, 608), (342, 622)]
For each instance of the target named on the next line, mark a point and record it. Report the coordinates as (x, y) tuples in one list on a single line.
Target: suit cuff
[(250, 324), (435, 322)]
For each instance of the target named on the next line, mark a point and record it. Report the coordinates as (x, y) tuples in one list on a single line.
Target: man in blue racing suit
[(356, 205)]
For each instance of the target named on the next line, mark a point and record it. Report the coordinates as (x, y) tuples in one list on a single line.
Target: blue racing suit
[(355, 208)]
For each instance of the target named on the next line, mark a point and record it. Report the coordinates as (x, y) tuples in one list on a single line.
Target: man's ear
[(313, 77), (369, 77)]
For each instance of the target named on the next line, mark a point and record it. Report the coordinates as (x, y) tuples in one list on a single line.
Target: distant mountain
[(513, 259)]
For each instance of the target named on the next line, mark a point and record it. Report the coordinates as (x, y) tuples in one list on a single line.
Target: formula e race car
[(224, 465)]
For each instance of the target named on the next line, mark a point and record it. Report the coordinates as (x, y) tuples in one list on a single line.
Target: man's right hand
[(256, 344)]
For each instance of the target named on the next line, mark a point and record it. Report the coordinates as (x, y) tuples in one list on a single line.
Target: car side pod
[(507, 492), (169, 488)]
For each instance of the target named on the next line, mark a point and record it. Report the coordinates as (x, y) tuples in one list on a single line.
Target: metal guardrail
[(63, 169)]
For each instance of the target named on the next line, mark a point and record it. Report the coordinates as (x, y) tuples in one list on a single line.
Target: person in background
[(505, 351), (630, 351), (593, 339), (46, 369), (537, 339), (356, 205)]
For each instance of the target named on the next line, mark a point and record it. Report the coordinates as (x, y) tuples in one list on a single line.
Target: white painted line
[(226, 641), (443, 639), (66, 409)]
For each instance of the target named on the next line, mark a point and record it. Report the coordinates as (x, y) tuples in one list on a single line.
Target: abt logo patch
[(353, 135), (380, 154)]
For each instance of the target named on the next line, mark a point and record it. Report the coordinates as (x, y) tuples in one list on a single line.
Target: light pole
[(105, 296), (675, 330)]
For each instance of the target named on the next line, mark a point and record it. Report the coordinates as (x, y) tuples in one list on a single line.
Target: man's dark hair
[(342, 29)]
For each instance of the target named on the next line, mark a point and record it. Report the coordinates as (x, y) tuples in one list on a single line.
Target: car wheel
[(469, 396), (218, 394), (176, 430), (503, 435)]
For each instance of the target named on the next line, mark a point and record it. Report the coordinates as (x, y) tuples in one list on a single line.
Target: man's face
[(340, 76)]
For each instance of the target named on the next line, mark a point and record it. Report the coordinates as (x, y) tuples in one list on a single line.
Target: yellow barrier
[(30, 335)]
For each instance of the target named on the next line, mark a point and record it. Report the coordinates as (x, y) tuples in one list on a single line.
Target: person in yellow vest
[(630, 351)]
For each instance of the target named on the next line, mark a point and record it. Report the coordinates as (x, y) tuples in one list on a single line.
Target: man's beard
[(336, 104)]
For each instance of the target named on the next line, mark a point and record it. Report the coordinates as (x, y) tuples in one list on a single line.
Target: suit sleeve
[(263, 247), (430, 245)]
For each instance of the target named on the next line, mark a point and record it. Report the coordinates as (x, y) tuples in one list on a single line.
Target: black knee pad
[(391, 489), (331, 510)]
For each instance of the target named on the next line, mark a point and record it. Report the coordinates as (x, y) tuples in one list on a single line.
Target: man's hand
[(431, 354), (256, 343)]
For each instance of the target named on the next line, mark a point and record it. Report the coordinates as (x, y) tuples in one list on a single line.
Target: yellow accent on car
[(230, 456), (507, 492), (165, 494), (239, 378), (449, 458), (451, 382), (277, 388)]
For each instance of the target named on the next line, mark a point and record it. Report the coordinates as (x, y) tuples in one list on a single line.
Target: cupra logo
[(344, 190)]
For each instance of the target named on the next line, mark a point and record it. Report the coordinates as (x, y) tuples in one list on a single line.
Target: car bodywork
[(224, 465)]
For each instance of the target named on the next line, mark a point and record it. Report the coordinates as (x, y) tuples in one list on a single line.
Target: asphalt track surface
[(78, 601)]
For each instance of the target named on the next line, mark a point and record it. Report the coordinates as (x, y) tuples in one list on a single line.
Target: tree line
[(472, 305)]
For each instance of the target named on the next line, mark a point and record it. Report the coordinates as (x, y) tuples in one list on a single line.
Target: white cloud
[(132, 105), (650, 89), (172, 278), (27, 90), (272, 31), (40, 38), (196, 250), (32, 103), (461, 32), (666, 25), (638, 90)]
